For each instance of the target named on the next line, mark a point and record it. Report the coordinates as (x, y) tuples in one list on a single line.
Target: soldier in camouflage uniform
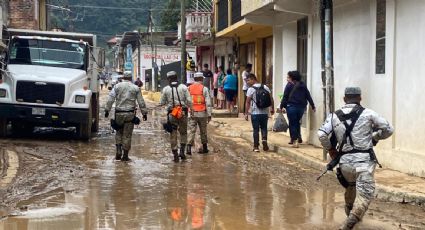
[(173, 95), (201, 114), (357, 164), (125, 94)]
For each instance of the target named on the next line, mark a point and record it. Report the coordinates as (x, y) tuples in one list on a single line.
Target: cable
[(119, 8)]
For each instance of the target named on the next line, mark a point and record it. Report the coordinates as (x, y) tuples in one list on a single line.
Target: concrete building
[(242, 42), (28, 14), (378, 45)]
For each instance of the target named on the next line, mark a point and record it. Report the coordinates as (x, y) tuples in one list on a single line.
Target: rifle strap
[(353, 116)]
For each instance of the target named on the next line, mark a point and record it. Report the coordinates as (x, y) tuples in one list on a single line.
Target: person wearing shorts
[(230, 83)]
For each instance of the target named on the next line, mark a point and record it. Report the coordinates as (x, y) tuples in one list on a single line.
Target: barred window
[(380, 36)]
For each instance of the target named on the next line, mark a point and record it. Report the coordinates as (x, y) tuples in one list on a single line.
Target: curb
[(383, 193)]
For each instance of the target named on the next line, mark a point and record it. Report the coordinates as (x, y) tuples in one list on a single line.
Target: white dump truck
[(50, 79)]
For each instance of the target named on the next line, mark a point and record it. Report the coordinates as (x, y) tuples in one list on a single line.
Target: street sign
[(128, 66)]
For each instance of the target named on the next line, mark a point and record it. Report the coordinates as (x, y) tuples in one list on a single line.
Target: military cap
[(171, 74), (198, 75), (353, 91)]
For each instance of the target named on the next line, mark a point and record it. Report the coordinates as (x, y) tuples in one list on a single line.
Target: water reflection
[(151, 192)]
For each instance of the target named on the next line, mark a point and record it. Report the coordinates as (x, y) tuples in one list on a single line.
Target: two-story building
[(377, 45), (244, 42)]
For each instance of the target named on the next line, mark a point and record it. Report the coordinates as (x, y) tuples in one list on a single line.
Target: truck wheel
[(84, 128), (95, 114), (22, 128), (3, 127)]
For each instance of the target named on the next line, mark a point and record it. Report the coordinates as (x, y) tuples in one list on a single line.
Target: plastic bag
[(280, 124)]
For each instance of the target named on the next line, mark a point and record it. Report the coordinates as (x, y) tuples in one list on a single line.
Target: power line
[(119, 8)]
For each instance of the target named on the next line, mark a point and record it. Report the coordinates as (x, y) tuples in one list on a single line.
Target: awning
[(240, 29)]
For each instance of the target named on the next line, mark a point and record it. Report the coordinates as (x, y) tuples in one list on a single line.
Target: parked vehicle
[(50, 79)]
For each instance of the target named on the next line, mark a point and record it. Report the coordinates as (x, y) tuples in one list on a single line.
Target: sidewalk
[(390, 185)]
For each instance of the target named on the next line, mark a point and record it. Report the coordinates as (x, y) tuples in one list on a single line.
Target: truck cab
[(50, 79)]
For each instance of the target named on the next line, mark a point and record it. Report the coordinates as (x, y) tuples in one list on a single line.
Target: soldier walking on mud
[(201, 114), (356, 130), (125, 94), (178, 101)]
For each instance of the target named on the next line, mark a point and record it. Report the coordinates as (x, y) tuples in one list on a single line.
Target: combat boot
[(182, 149), (125, 156), (176, 156), (349, 222), (204, 149), (119, 152), (189, 150)]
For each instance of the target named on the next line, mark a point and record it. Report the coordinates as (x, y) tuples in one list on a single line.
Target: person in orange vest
[(201, 113)]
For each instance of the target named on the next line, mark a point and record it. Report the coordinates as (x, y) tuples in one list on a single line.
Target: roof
[(90, 38)]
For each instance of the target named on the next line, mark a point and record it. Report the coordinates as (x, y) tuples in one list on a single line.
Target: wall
[(23, 14), (251, 5), (409, 70)]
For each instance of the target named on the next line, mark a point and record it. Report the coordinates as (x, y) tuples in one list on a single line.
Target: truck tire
[(3, 127), (20, 127), (84, 128), (95, 112)]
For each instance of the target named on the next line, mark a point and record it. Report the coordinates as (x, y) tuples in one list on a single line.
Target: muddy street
[(56, 183)]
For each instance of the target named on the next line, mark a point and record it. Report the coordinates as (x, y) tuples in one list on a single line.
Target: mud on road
[(238, 189), (40, 167)]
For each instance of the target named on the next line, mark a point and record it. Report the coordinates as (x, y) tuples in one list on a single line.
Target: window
[(236, 11), (380, 36), (223, 13), (48, 53), (302, 39)]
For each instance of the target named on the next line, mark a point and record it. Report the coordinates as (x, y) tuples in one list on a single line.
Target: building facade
[(28, 14), (377, 45)]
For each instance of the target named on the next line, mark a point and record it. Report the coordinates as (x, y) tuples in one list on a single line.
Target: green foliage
[(171, 15), (105, 23)]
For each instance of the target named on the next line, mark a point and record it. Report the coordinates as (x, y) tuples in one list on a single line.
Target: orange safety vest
[(198, 99)]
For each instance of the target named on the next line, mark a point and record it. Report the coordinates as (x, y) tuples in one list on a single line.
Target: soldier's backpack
[(262, 97)]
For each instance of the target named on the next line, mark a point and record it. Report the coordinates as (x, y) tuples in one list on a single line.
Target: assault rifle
[(334, 162)]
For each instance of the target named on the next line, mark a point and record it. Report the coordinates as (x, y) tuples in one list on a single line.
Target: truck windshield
[(47, 53)]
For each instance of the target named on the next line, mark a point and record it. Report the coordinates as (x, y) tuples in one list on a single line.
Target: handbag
[(176, 111)]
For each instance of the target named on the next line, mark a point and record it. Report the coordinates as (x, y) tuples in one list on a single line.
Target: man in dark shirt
[(208, 77)]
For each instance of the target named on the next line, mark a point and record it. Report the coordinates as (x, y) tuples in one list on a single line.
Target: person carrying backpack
[(177, 99), (294, 102), (260, 101), (349, 135)]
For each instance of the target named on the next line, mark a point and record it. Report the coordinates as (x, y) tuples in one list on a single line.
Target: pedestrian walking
[(201, 113), (260, 102), (124, 95), (357, 130), (138, 82), (245, 86), (178, 101), (190, 70), (230, 85), (294, 103)]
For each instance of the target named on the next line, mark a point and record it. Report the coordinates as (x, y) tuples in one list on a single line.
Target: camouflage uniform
[(125, 94), (200, 119), (357, 168), (185, 101)]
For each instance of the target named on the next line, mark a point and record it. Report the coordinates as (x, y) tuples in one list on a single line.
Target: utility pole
[(326, 15), (183, 41), (139, 64), (153, 77)]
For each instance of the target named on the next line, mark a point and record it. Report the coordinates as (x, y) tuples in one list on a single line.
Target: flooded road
[(230, 188)]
